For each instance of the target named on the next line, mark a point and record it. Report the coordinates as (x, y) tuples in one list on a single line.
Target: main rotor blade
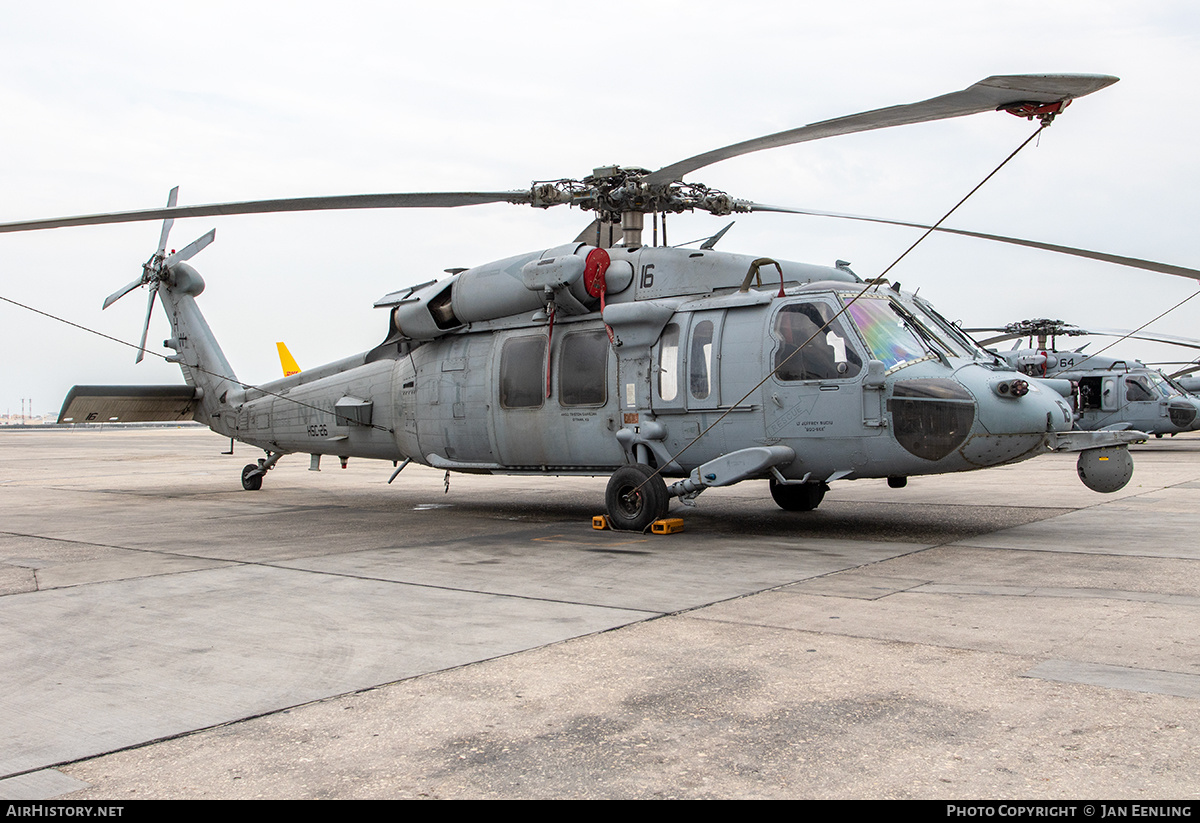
[(999, 339), (1120, 260), (172, 199), (121, 292), (987, 95), (417, 200), (1153, 337), (191, 249)]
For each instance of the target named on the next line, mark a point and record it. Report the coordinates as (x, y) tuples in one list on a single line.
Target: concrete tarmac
[(996, 634)]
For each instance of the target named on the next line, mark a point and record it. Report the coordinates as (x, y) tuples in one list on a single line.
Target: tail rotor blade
[(121, 292), (191, 249), (146, 327), (172, 199)]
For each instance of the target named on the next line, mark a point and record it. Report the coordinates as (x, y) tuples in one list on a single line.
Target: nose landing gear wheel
[(803, 497), (251, 478), (635, 498)]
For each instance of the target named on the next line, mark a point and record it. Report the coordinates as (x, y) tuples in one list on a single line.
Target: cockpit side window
[(1136, 390), (813, 345)]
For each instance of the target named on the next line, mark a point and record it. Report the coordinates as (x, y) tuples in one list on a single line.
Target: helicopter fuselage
[(846, 381)]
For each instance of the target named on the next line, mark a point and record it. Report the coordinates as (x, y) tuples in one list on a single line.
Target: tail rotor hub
[(156, 270)]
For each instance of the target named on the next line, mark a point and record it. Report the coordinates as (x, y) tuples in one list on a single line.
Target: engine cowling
[(506, 287)]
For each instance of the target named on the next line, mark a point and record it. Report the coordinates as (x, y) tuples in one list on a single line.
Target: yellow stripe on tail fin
[(287, 361)]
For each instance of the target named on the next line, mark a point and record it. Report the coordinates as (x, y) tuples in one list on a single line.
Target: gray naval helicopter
[(1107, 392), (605, 356)]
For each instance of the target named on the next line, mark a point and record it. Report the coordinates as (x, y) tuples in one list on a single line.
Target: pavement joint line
[(868, 637), (66, 540), (1094, 553), (270, 565), (926, 643), (458, 589), (1125, 678), (1004, 590), (1067, 592), (435, 587), (280, 566), (155, 495)]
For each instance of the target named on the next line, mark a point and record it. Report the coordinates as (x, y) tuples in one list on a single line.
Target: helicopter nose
[(1012, 405), (1010, 424), (988, 418)]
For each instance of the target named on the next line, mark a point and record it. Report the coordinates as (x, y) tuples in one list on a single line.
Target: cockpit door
[(815, 390)]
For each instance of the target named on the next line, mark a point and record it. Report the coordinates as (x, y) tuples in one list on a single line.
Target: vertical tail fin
[(176, 284)]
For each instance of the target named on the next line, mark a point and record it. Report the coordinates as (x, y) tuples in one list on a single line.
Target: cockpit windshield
[(1161, 385), (951, 336), (891, 338)]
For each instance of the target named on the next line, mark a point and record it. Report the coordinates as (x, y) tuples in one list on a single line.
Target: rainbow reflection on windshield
[(884, 332)]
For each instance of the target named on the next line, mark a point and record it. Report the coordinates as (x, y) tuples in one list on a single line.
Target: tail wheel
[(803, 497), (252, 477), (635, 498)]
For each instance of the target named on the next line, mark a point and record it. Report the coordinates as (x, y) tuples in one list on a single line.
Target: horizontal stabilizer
[(128, 404)]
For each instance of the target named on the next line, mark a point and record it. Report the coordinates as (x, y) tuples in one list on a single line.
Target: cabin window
[(583, 369), (668, 363), (813, 344), (523, 373), (700, 359)]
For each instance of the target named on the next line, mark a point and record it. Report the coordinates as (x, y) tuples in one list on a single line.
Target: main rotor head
[(613, 191), (1042, 327)]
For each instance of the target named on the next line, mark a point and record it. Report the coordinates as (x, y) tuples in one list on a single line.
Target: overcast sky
[(106, 106)]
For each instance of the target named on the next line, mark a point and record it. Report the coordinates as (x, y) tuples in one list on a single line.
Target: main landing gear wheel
[(251, 477), (635, 498), (803, 497)]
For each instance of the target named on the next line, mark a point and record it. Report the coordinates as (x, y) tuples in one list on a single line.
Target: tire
[(799, 498), (635, 498), (251, 478)]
